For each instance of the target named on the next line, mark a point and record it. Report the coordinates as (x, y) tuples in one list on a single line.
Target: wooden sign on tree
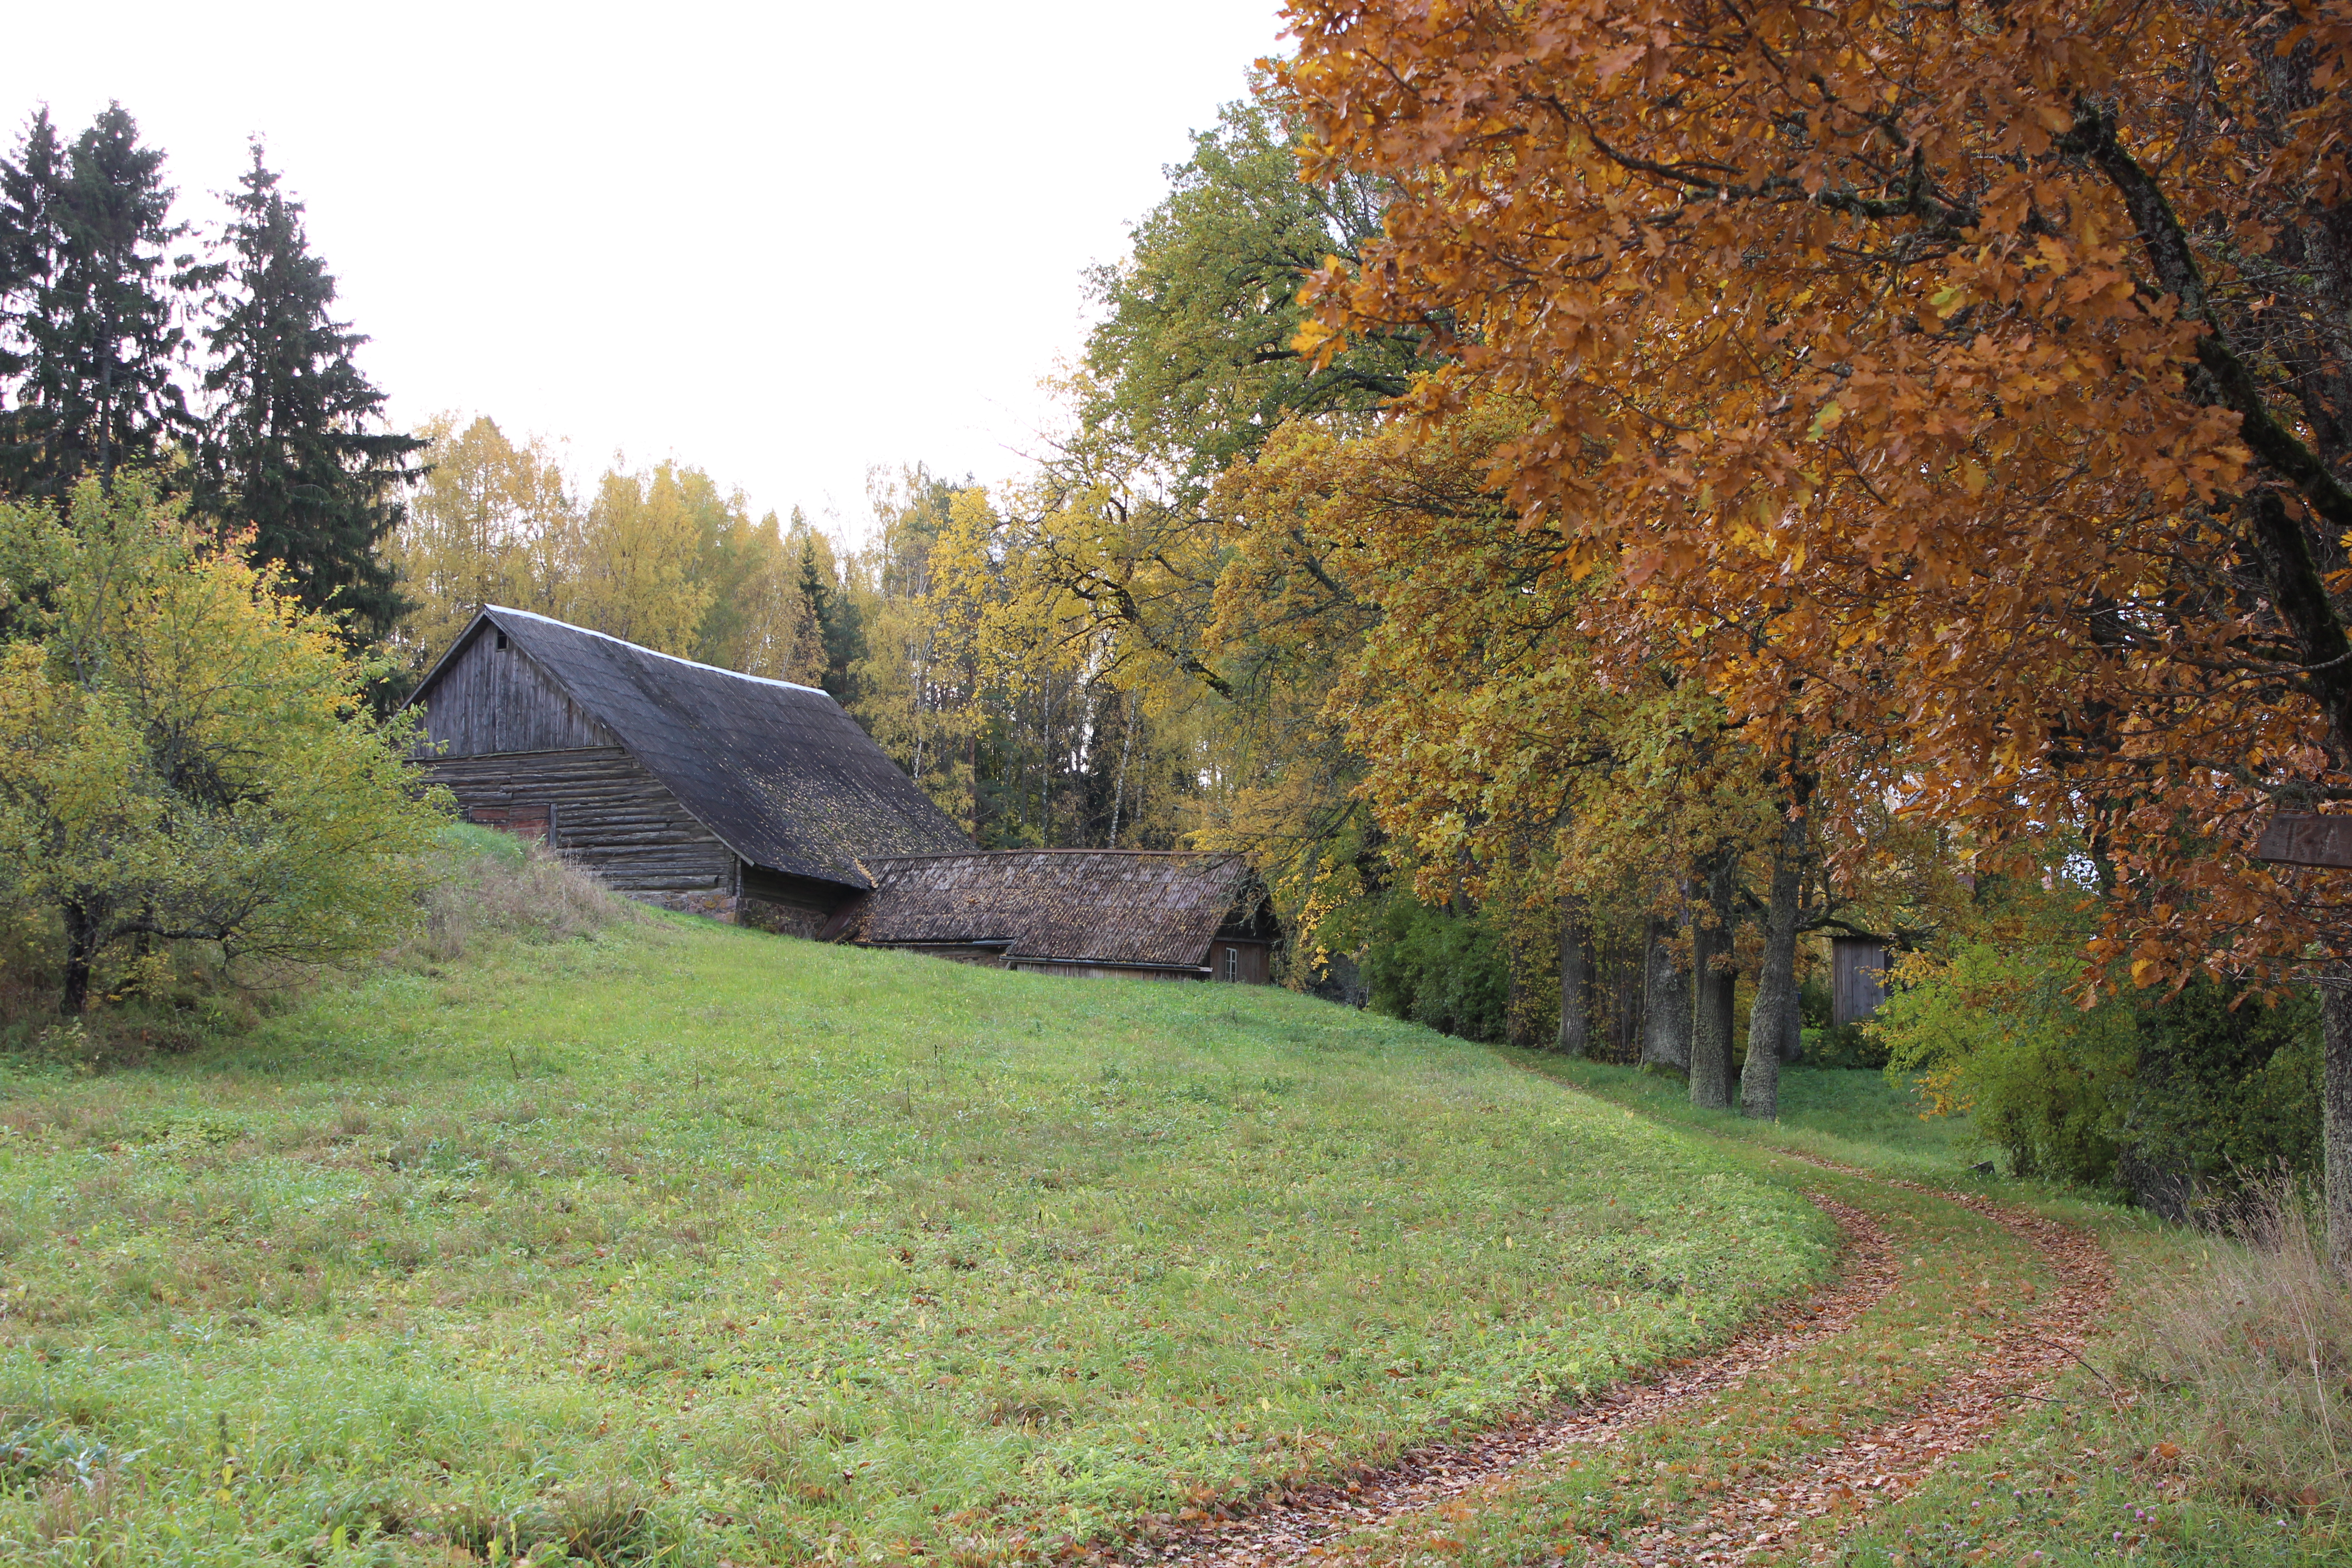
[(2299, 838)]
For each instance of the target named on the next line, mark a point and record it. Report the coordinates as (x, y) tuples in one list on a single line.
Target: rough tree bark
[(1666, 1017), (1713, 980), (82, 932), (1575, 978), (1768, 1025)]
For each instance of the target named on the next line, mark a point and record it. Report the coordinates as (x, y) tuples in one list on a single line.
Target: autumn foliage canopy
[(1965, 386)]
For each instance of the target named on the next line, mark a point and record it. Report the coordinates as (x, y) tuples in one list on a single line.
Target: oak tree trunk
[(2335, 1118), (1770, 1024), (1666, 1017), (1712, 981), (1575, 978)]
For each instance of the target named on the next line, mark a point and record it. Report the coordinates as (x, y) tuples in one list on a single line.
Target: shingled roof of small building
[(780, 772), (1142, 907)]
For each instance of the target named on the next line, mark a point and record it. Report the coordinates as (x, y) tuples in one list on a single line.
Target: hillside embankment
[(673, 1240), (632, 1240)]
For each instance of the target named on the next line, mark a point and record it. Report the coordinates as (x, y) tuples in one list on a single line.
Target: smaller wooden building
[(1857, 977), (1151, 914)]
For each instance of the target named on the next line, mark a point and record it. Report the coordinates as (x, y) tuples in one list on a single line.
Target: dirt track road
[(1424, 1508)]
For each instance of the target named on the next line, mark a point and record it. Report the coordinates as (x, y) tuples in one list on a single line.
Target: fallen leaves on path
[(2021, 1356)]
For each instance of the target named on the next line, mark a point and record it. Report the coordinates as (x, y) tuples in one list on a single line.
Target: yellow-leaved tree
[(184, 755), (491, 523)]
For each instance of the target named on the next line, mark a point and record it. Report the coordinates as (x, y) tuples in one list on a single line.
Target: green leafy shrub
[(1829, 1045), (186, 757), (1434, 967), (1843, 1046), (2224, 1085), (2173, 1099)]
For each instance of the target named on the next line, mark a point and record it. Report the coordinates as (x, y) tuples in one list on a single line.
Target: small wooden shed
[(1152, 914), (677, 782), (1857, 977)]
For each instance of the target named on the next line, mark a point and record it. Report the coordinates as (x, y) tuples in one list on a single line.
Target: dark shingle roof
[(1095, 906), (783, 776)]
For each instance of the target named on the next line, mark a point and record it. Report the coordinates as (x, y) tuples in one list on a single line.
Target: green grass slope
[(690, 1245)]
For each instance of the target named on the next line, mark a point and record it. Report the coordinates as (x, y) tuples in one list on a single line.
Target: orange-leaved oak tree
[(1974, 377)]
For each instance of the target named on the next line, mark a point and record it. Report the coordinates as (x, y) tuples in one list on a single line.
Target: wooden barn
[(1147, 914), (683, 785), (762, 802)]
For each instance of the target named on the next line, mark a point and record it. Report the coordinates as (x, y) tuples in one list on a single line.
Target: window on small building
[(502, 642), (1234, 964)]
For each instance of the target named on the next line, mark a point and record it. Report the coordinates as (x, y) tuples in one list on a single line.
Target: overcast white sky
[(781, 242)]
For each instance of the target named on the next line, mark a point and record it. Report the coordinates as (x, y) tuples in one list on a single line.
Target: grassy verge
[(682, 1244)]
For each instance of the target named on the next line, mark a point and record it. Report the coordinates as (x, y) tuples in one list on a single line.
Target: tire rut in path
[(1844, 1482)]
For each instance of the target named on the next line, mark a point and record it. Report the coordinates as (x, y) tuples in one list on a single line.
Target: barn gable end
[(489, 696)]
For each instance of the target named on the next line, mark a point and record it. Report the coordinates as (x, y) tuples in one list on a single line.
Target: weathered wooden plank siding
[(961, 953), (1244, 963), (1101, 971), (601, 809), (492, 700), (1857, 978)]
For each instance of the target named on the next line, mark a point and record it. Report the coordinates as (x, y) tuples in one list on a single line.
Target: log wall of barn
[(957, 952), (600, 807), (491, 699), (1102, 971)]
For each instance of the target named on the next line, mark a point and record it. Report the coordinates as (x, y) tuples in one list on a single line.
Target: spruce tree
[(30, 240), (295, 447), (95, 309), (818, 596), (836, 625)]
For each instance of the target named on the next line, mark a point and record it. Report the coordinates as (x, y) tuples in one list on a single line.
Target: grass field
[(687, 1244)]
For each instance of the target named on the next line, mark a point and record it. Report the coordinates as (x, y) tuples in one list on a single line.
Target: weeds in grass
[(499, 887), (76, 1519), (604, 1523), (2260, 1343)]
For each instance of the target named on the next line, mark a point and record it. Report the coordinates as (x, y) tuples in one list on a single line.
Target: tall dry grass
[(499, 887), (2259, 1342)]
